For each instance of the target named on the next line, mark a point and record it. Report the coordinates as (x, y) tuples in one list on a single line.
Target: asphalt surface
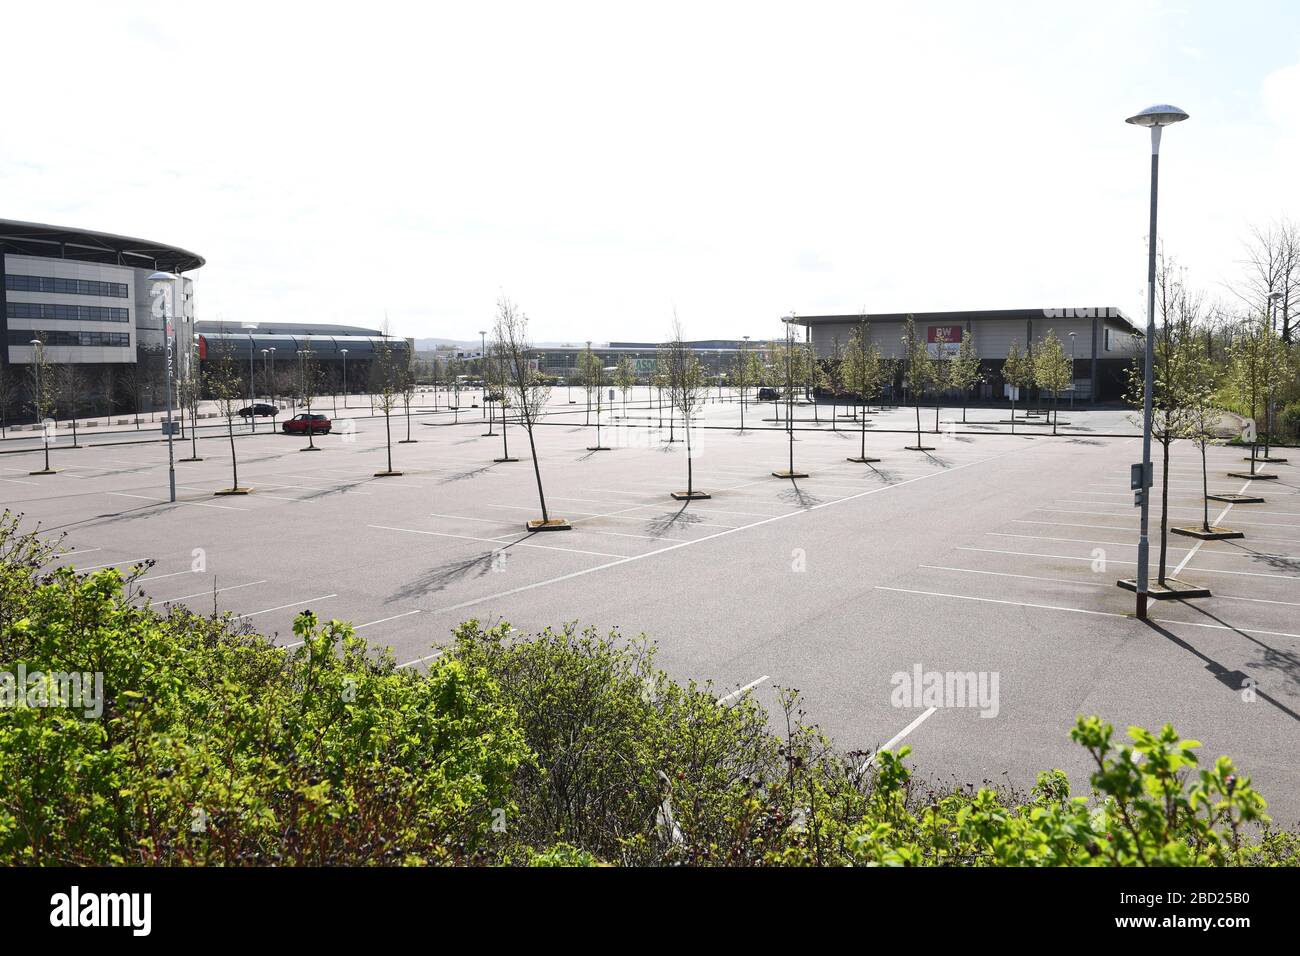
[(993, 554)]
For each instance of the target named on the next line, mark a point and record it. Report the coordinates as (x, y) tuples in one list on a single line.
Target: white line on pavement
[(281, 607), (750, 685), (385, 620), (894, 741)]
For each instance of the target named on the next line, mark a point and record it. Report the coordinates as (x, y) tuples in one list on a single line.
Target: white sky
[(603, 162)]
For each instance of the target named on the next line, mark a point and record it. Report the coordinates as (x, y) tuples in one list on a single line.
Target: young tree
[(788, 364), (1018, 372), (191, 395), (739, 374), (1202, 416), (595, 379), (590, 373), (70, 393), (9, 391), (385, 386), (309, 383), (835, 381), (939, 373), (1052, 370), (964, 370), (919, 369), (527, 391), (455, 368), (863, 371), (687, 390), (407, 383), (625, 378), (817, 378), (43, 390), (225, 385)]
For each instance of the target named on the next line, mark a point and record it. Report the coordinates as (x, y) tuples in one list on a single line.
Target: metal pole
[(252, 399), (1144, 541), (169, 333)]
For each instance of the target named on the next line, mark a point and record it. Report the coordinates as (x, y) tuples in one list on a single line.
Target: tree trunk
[(864, 435), (537, 471), (388, 436), (916, 403), (1164, 509), (1205, 491), (234, 462), (690, 472)]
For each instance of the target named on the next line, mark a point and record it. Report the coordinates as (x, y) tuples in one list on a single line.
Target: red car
[(304, 423)]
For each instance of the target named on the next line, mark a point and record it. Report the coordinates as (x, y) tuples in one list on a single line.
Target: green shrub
[(218, 747)]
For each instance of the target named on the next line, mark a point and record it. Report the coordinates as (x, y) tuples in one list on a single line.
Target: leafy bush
[(564, 748), (218, 747)]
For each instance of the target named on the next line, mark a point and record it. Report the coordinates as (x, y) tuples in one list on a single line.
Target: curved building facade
[(86, 294)]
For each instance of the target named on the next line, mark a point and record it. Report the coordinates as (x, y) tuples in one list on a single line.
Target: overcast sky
[(604, 163)]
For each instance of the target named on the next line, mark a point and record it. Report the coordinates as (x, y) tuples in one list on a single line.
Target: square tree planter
[(862, 461), (790, 474), (1172, 590), (691, 495), (1214, 534), (1232, 497), (555, 524), (1247, 476), (233, 491)]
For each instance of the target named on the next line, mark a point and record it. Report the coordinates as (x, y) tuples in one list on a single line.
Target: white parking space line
[(984, 600), (421, 660), (1071, 557), (1005, 574), (18, 482), (895, 740), (114, 564), (1213, 524), (385, 620), (182, 597), (281, 607), (752, 684)]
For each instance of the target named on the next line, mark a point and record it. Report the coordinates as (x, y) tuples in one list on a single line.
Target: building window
[(21, 283), (66, 313), (60, 337)]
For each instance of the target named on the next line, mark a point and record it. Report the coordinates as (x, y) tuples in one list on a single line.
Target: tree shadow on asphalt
[(463, 475), (438, 578), (1232, 679), (798, 497), (1083, 441), (660, 525), (1281, 562)]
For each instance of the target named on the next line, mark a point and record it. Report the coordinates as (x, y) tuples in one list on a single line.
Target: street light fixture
[(169, 332), (1155, 118)]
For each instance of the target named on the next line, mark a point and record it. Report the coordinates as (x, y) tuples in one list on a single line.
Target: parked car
[(261, 410), (304, 423), (768, 395), (494, 396)]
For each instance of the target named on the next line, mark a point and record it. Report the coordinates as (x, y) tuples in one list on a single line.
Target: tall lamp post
[(344, 353), (744, 378), (252, 397), (275, 403), (1072, 337), (1155, 118), (165, 294), (482, 367)]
